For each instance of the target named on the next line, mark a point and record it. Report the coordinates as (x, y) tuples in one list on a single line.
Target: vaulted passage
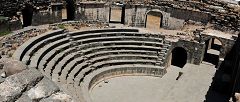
[(212, 51), (154, 20), (27, 14), (179, 57)]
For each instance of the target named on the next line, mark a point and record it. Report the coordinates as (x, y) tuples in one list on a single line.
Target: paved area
[(192, 86)]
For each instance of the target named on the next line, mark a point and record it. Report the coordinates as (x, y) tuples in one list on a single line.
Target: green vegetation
[(2, 18), (61, 26), (2, 33)]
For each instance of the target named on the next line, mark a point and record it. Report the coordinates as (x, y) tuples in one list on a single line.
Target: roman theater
[(119, 51)]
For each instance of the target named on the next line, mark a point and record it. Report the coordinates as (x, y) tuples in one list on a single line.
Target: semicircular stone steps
[(95, 49), (71, 72), (43, 39), (126, 42), (109, 43), (69, 57), (49, 47), (73, 63), (90, 50), (25, 49)]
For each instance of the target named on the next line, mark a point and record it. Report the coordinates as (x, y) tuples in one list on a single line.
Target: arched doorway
[(179, 57), (212, 51), (68, 12), (153, 20), (27, 14)]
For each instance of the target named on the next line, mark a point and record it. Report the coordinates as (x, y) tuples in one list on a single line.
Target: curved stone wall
[(109, 72)]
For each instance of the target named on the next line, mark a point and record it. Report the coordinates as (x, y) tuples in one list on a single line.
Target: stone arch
[(214, 47), (179, 57), (157, 13), (210, 37)]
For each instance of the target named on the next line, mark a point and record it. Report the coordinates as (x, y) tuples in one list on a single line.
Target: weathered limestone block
[(21, 84), (24, 98), (43, 89), (10, 66), (58, 97), (15, 85), (237, 96)]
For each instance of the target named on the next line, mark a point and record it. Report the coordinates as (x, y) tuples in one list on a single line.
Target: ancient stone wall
[(4, 26), (15, 25), (92, 12), (189, 15), (227, 43), (46, 17), (224, 16), (126, 71), (171, 18), (10, 25), (195, 51), (135, 15)]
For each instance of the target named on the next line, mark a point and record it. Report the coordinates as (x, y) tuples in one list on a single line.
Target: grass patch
[(3, 18), (61, 26), (2, 33)]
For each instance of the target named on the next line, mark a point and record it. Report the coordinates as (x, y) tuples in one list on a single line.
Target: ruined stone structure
[(183, 32), (20, 84)]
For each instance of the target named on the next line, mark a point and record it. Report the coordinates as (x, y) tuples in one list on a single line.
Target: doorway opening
[(179, 57), (154, 20), (27, 14), (212, 51), (68, 12), (117, 13)]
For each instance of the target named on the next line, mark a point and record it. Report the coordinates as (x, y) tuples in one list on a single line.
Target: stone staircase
[(162, 55)]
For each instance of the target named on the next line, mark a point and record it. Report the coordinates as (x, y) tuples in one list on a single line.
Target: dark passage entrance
[(27, 14), (70, 6), (212, 51), (179, 57)]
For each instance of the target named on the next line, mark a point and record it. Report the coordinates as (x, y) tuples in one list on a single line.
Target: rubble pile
[(11, 42), (188, 36), (76, 25)]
